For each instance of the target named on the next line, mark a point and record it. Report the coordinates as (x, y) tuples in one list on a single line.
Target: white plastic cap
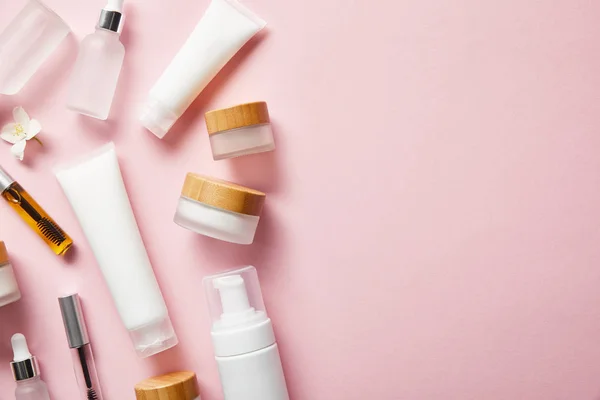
[(114, 5), (240, 322), (234, 298), (153, 338), (20, 348), (157, 118)]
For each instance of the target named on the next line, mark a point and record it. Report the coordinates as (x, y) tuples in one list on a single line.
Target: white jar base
[(9, 290), (242, 141), (215, 222)]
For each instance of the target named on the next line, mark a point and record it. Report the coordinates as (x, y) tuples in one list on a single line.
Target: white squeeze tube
[(225, 27), (97, 194)]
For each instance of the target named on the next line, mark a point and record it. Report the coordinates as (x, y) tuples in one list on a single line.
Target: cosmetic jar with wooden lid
[(174, 386), (9, 290), (240, 130), (219, 209)]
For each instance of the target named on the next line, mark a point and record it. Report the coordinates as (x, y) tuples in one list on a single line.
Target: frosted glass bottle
[(98, 65), (32, 389), (27, 42), (26, 372)]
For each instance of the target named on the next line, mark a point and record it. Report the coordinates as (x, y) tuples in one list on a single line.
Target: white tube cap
[(234, 298), (157, 118), (153, 338)]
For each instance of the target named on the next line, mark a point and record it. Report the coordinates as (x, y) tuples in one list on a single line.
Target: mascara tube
[(81, 350), (34, 215)]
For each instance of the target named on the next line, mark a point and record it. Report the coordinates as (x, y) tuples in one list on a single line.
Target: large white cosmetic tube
[(225, 27), (97, 194)]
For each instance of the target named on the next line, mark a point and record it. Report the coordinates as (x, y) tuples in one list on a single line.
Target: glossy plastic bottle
[(98, 65), (26, 372)]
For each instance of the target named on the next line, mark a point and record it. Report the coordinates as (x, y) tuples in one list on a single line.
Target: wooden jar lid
[(237, 117), (223, 194), (174, 386)]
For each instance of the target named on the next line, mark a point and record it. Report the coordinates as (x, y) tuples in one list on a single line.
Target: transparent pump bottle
[(98, 65), (26, 372)]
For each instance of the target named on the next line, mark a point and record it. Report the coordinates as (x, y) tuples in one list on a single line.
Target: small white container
[(245, 348), (9, 290), (240, 130), (219, 209)]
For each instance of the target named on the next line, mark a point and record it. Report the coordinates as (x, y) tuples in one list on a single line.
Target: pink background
[(432, 224)]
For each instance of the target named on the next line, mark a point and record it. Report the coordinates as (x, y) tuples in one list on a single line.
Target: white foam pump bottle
[(26, 372), (244, 342), (96, 72)]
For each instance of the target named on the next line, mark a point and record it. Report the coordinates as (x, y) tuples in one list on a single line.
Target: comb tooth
[(91, 394), (51, 231)]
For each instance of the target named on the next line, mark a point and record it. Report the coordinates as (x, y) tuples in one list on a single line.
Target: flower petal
[(18, 149), (9, 128), (9, 134), (34, 128), (21, 117)]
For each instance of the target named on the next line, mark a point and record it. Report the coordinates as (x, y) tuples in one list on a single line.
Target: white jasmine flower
[(20, 131)]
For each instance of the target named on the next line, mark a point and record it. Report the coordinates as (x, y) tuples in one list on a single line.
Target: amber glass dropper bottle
[(34, 215)]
